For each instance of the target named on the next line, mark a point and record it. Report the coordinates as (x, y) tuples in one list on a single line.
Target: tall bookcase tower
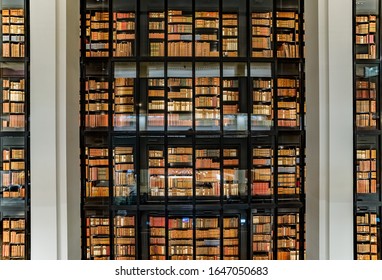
[(367, 129), (14, 131), (192, 129)]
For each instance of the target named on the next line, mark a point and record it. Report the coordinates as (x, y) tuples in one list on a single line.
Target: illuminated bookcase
[(192, 120), (367, 129), (14, 131)]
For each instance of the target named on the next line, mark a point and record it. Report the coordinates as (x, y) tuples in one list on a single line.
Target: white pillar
[(55, 179), (340, 129), (317, 128)]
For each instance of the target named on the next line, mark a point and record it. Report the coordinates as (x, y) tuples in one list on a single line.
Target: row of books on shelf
[(179, 33)]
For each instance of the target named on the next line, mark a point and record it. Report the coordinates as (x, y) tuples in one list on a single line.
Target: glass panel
[(13, 97), (288, 235), (124, 96), (13, 169), (180, 234), (367, 187), (368, 233), (262, 96), (367, 87), (125, 185), (13, 238), (231, 238), (96, 97), (97, 28), (367, 29), (231, 172), (234, 28), (152, 28), (287, 28), (96, 169), (13, 28), (157, 241), (124, 236), (97, 237), (180, 161), (262, 172), (235, 104), (179, 96), (124, 28), (207, 238), (262, 235), (288, 96), (207, 167), (262, 28), (289, 178), (207, 96), (156, 173), (207, 35), (179, 28), (152, 105)]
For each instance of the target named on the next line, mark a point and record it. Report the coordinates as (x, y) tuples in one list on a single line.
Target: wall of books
[(367, 130), (14, 131), (192, 129)]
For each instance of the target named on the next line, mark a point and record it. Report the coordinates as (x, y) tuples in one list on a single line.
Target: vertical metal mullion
[(220, 44)]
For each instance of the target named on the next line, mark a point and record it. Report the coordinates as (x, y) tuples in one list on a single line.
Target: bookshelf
[(157, 238), (179, 33), (124, 237), (287, 34), (262, 172), (262, 237), (367, 236), (124, 104), (366, 36), (124, 173), (193, 127), (288, 180), (207, 239), (179, 103), (366, 171), (156, 33), (366, 130), (366, 86), (179, 171), (231, 170), (124, 33), (13, 242), (180, 235), (288, 232), (156, 172), (14, 132), (207, 172), (230, 35), (98, 238), (207, 103), (231, 238), (97, 172), (13, 30)]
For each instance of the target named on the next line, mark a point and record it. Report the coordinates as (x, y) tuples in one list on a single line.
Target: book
[(97, 172), (366, 171), (13, 239), (288, 232), (157, 247)]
